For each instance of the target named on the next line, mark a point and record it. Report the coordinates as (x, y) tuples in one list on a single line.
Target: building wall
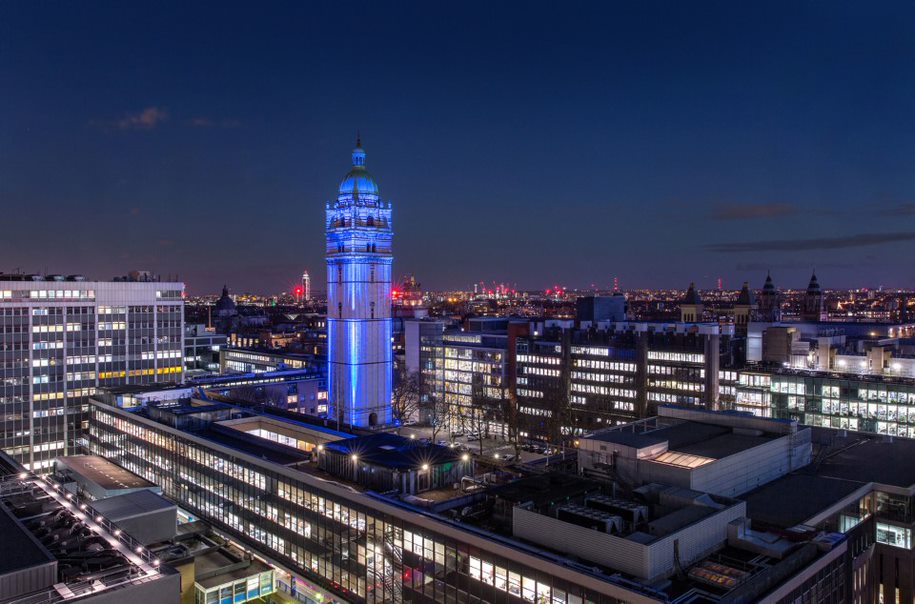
[(742, 472), (646, 561), (61, 340)]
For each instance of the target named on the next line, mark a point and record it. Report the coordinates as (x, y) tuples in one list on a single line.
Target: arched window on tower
[(371, 273), (339, 310), (372, 309), (339, 274)]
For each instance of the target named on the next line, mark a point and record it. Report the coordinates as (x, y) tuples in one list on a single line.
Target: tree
[(511, 418), (438, 413), (405, 400)]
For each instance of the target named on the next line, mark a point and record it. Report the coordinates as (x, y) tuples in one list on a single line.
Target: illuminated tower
[(306, 287), (359, 261)]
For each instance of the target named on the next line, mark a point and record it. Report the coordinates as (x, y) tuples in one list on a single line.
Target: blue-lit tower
[(359, 261)]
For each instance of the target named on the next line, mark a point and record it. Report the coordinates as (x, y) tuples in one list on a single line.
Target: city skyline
[(543, 147)]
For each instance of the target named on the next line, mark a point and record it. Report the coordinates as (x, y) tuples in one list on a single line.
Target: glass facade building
[(355, 546), (878, 405)]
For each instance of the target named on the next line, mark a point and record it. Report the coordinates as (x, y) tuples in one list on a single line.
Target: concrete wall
[(27, 580), (744, 471), (647, 562)]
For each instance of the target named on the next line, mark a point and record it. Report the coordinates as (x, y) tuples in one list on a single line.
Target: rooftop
[(105, 474), (847, 462), (690, 438), (393, 451), (21, 549)]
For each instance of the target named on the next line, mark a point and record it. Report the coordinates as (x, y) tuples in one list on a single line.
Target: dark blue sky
[(520, 142)]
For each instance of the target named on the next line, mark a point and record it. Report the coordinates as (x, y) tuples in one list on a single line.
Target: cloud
[(205, 122), (825, 243), (752, 211), (147, 119), (748, 267), (903, 209)]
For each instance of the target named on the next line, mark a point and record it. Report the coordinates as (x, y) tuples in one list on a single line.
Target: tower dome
[(358, 180)]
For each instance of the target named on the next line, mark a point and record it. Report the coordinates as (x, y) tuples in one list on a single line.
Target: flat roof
[(795, 498), (254, 445), (688, 437), (286, 427), (723, 446), (106, 474), (139, 388), (629, 439), (21, 549), (851, 460), (213, 561), (546, 488), (879, 459), (393, 451)]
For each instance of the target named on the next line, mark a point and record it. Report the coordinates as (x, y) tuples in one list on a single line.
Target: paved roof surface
[(107, 475)]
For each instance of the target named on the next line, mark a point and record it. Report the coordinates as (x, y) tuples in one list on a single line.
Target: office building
[(359, 328), (661, 515), (61, 338), (201, 349), (260, 360)]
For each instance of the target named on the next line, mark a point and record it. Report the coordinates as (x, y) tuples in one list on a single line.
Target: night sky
[(527, 143)]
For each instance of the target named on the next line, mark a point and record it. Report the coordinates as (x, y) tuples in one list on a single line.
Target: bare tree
[(438, 413), (405, 400), (511, 419)]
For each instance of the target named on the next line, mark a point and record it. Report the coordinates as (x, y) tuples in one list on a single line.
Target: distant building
[(691, 307), (814, 305), (225, 305), (745, 309), (592, 309), (306, 287), (201, 348), (769, 302)]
